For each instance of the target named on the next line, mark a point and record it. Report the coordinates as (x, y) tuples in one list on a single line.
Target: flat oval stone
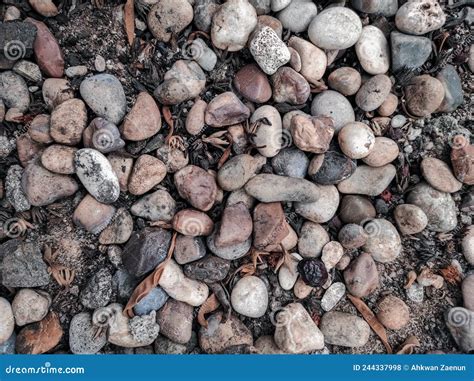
[(313, 237), (335, 105), (343, 329), (156, 206), (373, 92), (155, 299), (298, 15), (313, 59), (147, 172), (235, 227), (192, 223), (438, 174), (383, 241), (355, 209), (56, 91), (253, 84), (195, 118), (345, 80), (209, 269), (385, 151), (330, 168), (420, 17), (92, 215), (409, 51), (356, 140), (373, 51), (368, 180), (269, 134), (324, 208), (236, 171), (59, 159), (39, 129), (225, 110), (393, 313), (7, 320), (14, 91), (144, 119), (424, 94), (352, 236), (332, 296), (468, 245), (410, 219), (189, 249), (230, 252), (249, 297), (68, 121), (290, 162)]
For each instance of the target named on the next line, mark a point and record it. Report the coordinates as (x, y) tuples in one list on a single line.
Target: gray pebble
[(155, 299), (98, 290)]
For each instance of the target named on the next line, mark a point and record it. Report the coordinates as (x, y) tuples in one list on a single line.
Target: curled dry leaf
[(129, 20), (411, 278), (408, 346), (370, 318), (210, 305), (451, 274), (63, 275), (150, 282)]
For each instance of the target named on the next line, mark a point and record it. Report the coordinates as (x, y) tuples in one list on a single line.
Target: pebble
[(409, 51), (269, 225), (345, 80), (265, 345), (384, 151), (313, 237), (461, 153), (40, 337), (278, 5), (43, 187), (96, 174), (11, 14), (274, 188), (99, 63), (290, 162), (368, 180), (28, 150), (230, 252), (330, 168), (355, 209), (424, 95), (68, 121), (352, 236), (295, 59), (356, 140), (416, 293), (156, 206), (56, 91), (468, 245), (188, 249), (225, 110), (460, 322), (236, 171), (453, 92), (331, 254), (362, 277), (28, 70), (209, 269), (335, 28), (373, 51), (373, 93), (467, 293), (332, 296), (7, 320), (195, 118), (76, 71), (235, 226), (145, 250), (48, 54), (169, 17), (383, 241), (220, 335), (343, 329), (312, 134), (203, 12), (144, 119), (289, 87), (196, 186), (398, 121), (192, 223), (410, 219), (253, 84), (153, 301), (272, 22), (439, 207), (295, 331), (268, 136), (8, 347), (298, 15), (261, 6), (392, 312), (438, 174), (288, 272), (301, 289), (249, 297), (181, 288), (335, 105), (389, 105), (147, 172), (119, 230), (59, 159), (13, 190), (420, 17), (323, 209), (104, 94), (98, 290), (14, 91), (268, 50), (232, 24), (176, 321), (45, 8), (83, 335)]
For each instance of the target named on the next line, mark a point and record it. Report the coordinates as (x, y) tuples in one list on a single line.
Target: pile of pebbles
[(306, 196)]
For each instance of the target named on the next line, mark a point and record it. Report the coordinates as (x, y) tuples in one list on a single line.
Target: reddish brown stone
[(40, 337), (290, 87), (225, 110), (196, 186), (27, 149), (312, 134), (253, 84), (269, 225), (236, 226)]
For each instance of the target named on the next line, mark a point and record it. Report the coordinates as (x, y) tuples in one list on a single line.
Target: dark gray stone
[(16, 42), (290, 162), (209, 269), (409, 51), (124, 284), (331, 168), (98, 290), (453, 94), (8, 347), (155, 299)]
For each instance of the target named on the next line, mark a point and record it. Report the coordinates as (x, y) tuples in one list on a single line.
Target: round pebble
[(249, 297), (393, 313), (356, 140)]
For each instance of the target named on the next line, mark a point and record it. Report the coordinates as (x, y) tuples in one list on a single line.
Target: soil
[(85, 32)]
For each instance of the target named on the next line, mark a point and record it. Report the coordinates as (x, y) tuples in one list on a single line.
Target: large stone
[(409, 52), (362, 276), (383, 240), (196, 186), (368, 181), (344, 329), (144, 119), (168, 18), (420, 17)]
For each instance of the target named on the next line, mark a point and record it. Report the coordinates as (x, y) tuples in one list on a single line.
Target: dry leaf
[(451, 274), (210, 305), (408, 346), (370, 318), (150, 282), (411, 277), (129, 20)]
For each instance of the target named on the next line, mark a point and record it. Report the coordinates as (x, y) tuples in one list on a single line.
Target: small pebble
[(332, 296), (344, 329), (374, 92), (384, 151), (313, 237), (410, 219), (356, 140), (249, 297), (345, 80), (373, 51), (333, 104), (156, 206), (362, 277)]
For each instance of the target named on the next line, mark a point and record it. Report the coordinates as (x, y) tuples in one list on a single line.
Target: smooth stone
[(59, 159), (192, 223), (373, 51), (236, 171), (453, 92), (278, 5), (14, 91), (68, 121), (368, 180), (301, 289), (313, 237), (230, 252), (384, 151), (13, 190), (82, 335), (460, 322), (176, 321), (312, 134), (270, 227), (253, 84), (92, 215), (439, 207), (225, 110), (323, 209), (196, 186), (156, 206), (188, 249), (45, 8), (438, 174), (410, 219), (467, 288), (367, 6), (144, 119), (272, 22), (343, 329), (420, 17), (330, 168), (389, 105), (269, 134), (28, 150), (298, 15), (295, 331), (424, 94), (145, 250), (290, 87), (335, 28), (273, 188), (12, 13), (249, 297), (335, 105), (169, 17), (7, 320), (332, 296), (331, 254), (409, 52), (383, 241), (221, 334), (56, 91), (195, 118), (268, 50), (361, 276), (98, 290), (181, 288), (235, 226), (209, 269), (43, 187), (356, 140), (345, 80), (203, 12), (40, 337), (290, 162), (104, 94), (39, 129), (96, 174), (288, 272), (352, 236), (373, 93), (153, 301), (392, 312), (147, 172), (355, 209), (232, 24), (76, 71), (28, 70), (313, 60), (468, 245), (461, 154), (119, 230)]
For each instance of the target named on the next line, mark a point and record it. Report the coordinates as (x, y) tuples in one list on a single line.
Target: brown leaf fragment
[(451, 275), (150, 282), (210, 305), (408, 346), (370, 318), (129, 20)]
